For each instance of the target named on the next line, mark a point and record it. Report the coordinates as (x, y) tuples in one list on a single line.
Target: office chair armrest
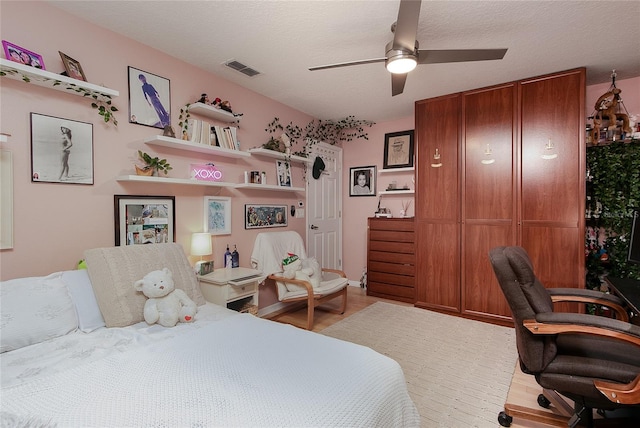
[(625, 393), (557, 323), (595, 297)]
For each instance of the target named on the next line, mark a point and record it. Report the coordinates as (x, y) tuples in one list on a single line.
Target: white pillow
[(79, 285), (34, 310)]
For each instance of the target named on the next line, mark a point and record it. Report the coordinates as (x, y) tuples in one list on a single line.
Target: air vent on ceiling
[(238, 66)]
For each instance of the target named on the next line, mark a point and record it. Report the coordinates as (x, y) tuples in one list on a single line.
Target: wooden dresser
[(391, 259)]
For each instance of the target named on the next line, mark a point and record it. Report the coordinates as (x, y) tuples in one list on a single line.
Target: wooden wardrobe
[(502, 165)]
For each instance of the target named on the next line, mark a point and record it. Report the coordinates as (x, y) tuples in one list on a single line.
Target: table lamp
[(201, 246)]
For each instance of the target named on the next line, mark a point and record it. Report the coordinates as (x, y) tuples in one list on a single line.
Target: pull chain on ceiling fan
[(402, 54)]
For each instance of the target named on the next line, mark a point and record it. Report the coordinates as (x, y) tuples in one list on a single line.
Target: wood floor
[(523, 391)]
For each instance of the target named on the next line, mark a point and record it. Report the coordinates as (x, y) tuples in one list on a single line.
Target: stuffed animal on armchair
[(166, 305), (306, 270)]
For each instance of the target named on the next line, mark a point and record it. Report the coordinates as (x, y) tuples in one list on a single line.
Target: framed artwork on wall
[(217, 215), (260, 216), (144, 219), (73, 67), (362, 181), (283, 172), (149, 99), (398, 150), (61, 150)]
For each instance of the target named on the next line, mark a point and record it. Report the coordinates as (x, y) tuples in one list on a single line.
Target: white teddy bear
[(166, 305), (294, 267)]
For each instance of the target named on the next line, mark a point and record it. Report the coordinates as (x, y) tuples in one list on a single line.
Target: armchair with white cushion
[(270, 248)]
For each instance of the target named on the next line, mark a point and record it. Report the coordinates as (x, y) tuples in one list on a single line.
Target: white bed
[(224, 369)]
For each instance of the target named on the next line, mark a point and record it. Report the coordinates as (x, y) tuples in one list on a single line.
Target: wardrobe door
[(437, 224), (488, 195), (553, 174)]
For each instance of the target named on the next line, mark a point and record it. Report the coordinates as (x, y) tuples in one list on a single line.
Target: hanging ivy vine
[(102, 103)]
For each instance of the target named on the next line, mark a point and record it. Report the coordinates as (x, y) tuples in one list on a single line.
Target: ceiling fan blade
[(407, 25), (397, 83), (459, 55), (347, 64)]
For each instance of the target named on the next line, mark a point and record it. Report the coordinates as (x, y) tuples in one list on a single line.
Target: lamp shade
[(201, 244)]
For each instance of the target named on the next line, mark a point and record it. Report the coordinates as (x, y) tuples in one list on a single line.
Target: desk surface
[(628, 289)]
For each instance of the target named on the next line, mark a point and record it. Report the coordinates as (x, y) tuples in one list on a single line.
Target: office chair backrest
[(526, 297)]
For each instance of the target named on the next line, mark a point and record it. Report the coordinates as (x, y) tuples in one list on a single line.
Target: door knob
[(313, 227)]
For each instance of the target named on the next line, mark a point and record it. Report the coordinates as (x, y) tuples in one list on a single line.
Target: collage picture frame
[(144, 219)]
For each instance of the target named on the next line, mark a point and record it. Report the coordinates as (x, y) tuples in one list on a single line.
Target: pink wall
[(55, 223), (358, 209)]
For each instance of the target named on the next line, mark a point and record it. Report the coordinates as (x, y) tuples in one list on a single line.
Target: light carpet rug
[(458, 371)]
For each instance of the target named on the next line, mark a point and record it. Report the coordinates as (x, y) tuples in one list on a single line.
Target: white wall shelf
[(181, 181), (384, 171), (203, 109), (174, 143), (259, 151), (16, 71), (190, 182), (271, 187), (397, 192)]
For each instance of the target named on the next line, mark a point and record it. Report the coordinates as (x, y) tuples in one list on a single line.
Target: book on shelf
[(227, 137), (200, 132)]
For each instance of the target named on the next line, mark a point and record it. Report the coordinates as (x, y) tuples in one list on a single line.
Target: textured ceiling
[(281, 39)]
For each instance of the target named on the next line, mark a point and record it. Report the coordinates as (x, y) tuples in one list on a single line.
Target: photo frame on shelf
[(72, 67), (261, 216), (149, 99), (398, 150), (283, 172), (362, 181), (144, 219), (217, 215), (21, 55), (61, 150)]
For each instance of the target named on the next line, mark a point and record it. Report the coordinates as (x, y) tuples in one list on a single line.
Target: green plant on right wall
[(613, 191)]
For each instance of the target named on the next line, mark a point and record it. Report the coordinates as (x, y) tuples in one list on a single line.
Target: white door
[(324, 207)]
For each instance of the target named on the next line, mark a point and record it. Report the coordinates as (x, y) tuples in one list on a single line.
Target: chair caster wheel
[(504, 420), (543, 401)]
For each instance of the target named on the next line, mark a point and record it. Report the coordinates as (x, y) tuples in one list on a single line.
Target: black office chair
[(591, 360)]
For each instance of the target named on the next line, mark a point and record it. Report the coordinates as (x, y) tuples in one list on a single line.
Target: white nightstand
[(226, 286)]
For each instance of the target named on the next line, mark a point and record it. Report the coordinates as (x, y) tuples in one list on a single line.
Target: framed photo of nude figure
[(61, 150), (149, 99)]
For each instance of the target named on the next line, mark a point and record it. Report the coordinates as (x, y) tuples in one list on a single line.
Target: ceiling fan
[(402, 54)]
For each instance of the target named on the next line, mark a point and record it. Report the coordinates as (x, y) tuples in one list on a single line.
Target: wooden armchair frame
[(314, 299)]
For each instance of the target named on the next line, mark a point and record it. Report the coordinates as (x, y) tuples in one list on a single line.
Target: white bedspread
[(223, 370)]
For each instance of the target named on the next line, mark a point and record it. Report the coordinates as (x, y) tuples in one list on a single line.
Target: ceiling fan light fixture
[(400, 62)]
